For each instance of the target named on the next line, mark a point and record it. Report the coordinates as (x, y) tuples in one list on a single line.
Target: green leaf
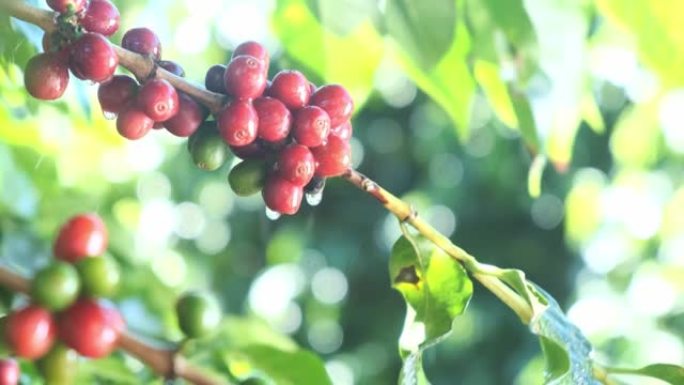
[(495, 89), (281, 367), (449, 82), (669, 373), (567, 352), (656, 27), (350, 59), (424, 29), (436, 288)]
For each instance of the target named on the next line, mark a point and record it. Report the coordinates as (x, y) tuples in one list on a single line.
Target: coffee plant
[(286, 137)]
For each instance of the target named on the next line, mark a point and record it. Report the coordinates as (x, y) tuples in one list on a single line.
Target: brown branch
[(163, 361), (143, 68)]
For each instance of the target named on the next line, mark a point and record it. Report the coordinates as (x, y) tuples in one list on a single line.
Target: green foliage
[(437, 290), (671, 374)]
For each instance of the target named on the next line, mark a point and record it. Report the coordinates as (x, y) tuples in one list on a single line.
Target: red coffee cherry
[(311, 126), (9, 372), (84, 235), (336, 101), (30, 332), (172, 67), (143, 41), (101, 16), (296, 164), (343, 131), (254, 150), (62, 6), (282, 196), (238, 123), (91, 328), (189, 117), (291, 88), (213, 80), (333, 158), (46, 76), (133, 123), (275, 119), (245, 77), (158, 99), (254, 49), (52, 43), (117, 93), (93, 58)]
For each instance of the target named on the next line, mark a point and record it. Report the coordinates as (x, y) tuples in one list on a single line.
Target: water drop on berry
[(109, 115), (314, 198), (272, 215)]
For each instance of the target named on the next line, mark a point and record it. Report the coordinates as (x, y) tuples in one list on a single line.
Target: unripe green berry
[(248, 177), (198, 314), (55, 286), (207, 148), (100, 276), (59, 366)]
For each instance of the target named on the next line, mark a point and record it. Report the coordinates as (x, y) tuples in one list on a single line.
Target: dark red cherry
[(133, 123), (9, 372), (82, 236), (117, 93), (254, 49), (296, 164), (292, 88), (343, 131), (336, 101), (63, 6), (91, 327), (333, 158), (93, 58), (46, 76), (101, 16), (189, 117), (282, 196), (275, 119), (245, 77), (254, 150), (143, 41), (158, 99), (311, 126), (238, 123), (30, 332), (172, 67), (213, 80)]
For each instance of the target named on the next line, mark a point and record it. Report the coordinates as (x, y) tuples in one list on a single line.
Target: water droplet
[(109, 115), (314, 198), (272, 215)]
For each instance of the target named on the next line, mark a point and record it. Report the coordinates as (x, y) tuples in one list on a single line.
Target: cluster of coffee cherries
[(67, 316), (78, 44), (290, 134)]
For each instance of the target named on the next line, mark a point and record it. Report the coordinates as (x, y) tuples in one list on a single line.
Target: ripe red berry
[(245, 77), (62, 6), (311, 126), (101, 16), (158, 99), (189, 117), (46, 76), (238, 123), (91, 328), (30, 331), (213, 80), (172, 67), (343, 131), (53, 43), (333, 158), (117, 93), (291, 88), (133, 123), (143, 41), (336, 101), (254, 150), (282, 196), (84, 235), (296, 164), (254, 49), (9, 372), (275, 119), (93, 58)]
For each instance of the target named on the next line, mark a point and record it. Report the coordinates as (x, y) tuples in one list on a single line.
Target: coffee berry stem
[(145, 68), (163, 361)]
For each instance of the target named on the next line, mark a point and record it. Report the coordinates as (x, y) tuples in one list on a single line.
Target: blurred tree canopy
[(546, 135)]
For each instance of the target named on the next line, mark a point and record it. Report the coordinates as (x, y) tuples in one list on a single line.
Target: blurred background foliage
[(545, 135)]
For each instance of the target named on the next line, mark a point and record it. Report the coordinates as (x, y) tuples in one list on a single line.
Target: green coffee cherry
[(207, 149), (248, 177), (59, 366), (55, 286), (198, 314), (100, 276)]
